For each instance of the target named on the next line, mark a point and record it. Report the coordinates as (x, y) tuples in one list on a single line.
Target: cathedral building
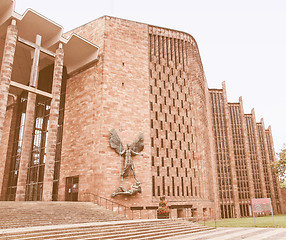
[(122, 110)]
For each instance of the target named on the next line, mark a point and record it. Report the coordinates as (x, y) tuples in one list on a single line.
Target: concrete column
[(53, 125), (6, 146), (273, 198), (259, 157), (29, 126), (247, 151), (6, 70), (26, 146), (231, 154)]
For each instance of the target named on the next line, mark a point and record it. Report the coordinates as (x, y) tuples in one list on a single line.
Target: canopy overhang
[(78, 51)]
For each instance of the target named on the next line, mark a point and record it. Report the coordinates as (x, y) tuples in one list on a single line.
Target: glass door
[(72, 188)]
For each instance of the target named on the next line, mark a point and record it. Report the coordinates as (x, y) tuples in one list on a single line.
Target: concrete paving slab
[(236, 234)]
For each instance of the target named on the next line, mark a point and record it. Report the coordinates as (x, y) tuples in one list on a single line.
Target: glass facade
[(36, 167)]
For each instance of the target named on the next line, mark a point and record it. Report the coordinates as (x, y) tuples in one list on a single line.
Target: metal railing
[(136, 212), (129, 212), (108, 204)]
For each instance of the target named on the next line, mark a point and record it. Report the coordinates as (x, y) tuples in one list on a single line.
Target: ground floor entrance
[(72, 188)]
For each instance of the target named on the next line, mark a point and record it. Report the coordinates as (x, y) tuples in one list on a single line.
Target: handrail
[(128, 211), (110, 201), (106, 199)]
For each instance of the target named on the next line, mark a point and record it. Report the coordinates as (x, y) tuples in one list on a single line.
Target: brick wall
[(116, 93), (111, 94), (241, 141), (180, 140)]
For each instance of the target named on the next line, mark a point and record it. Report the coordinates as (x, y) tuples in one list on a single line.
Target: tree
[(279, 166)]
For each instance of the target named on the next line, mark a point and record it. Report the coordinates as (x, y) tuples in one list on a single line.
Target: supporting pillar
[(247, 151), (231, 154), (53, 125), (6, 146), (29, 126), (6, 70)]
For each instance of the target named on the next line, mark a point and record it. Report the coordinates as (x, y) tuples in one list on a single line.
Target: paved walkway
[(236, 234)]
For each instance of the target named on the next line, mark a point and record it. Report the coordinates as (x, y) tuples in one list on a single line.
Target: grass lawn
[(279, 221)]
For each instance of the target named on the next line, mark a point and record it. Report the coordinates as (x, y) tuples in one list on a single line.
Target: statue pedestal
[(163, 216)]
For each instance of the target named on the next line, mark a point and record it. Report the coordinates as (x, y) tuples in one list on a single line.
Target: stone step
[(151, 234), (132, 230), (158, 235), (113, 222), (100, 230), (21, 214), (76, 226), (114, 226), (172, 234), (80, 220), (123, 233)]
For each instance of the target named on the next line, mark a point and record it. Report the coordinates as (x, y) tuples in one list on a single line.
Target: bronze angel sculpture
[(131, 150)]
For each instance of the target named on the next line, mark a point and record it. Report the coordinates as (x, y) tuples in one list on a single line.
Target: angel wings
[(135, 149)]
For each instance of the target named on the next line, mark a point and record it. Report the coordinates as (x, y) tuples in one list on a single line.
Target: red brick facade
[(204, 154), (244, 150), (113, 95)]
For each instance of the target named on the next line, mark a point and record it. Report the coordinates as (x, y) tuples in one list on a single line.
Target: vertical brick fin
[(241, 159), (252, 148), (26, 147), (231, 154), (6, 70), (260, 130), (247, 152), (271, 185), (53, 126), (223, 164), (259, 154)]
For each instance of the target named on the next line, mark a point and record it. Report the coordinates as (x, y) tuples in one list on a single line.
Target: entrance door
[(72, 188)]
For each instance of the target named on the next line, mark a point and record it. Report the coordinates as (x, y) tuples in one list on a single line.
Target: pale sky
[(241, 42)]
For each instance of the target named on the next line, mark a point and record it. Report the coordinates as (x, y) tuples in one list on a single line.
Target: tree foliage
[(279, 166)]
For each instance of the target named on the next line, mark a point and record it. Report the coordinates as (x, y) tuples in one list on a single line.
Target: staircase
[(132, 229), (23, 214), (80, 220)]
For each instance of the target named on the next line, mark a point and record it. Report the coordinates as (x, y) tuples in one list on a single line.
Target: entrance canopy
[(78, 51)]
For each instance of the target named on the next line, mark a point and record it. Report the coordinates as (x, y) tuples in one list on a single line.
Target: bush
[(163, 209)]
